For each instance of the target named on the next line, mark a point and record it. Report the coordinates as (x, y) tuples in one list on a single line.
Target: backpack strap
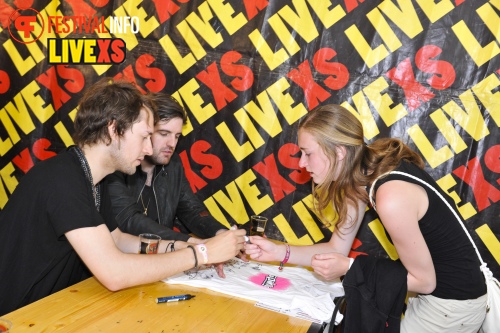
[(483, 264), (372, 187)]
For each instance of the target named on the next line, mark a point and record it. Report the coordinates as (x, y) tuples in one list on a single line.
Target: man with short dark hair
[(158, 194), (58, 227)]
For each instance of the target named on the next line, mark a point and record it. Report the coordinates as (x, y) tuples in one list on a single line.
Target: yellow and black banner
[(425, 71)]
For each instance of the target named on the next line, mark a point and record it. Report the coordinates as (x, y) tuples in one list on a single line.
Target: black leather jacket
[(174, 198)]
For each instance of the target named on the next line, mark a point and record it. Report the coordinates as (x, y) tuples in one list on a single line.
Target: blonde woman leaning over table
[(442, 266)]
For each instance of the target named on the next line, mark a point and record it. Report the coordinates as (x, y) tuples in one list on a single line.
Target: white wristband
[(204, 252), (351, 260)]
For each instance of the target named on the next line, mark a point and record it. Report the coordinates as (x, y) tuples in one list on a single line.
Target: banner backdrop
[(246, 71)]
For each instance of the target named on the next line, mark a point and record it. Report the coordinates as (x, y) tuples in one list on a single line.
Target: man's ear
[(112, 130), (341, 152)]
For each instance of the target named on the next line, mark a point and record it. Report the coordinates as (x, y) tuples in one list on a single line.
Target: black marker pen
[(177, 298)]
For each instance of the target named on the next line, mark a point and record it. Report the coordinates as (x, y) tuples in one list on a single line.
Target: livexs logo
[(86, 51), (28, 25)]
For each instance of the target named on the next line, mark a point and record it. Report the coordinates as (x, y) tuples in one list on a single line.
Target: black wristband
[(169, 245), (195, 256)]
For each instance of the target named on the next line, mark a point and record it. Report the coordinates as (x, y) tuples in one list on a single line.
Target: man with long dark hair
[(157, 197)]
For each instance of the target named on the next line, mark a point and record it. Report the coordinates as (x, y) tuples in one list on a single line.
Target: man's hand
[(195, 240), (219, 268), (224, 246)]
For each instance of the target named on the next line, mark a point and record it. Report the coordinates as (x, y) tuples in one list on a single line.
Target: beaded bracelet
[(287, 256), (195, 256), (204, 252)]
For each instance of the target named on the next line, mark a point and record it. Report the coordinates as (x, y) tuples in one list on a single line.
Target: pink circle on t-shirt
[(270, 281)]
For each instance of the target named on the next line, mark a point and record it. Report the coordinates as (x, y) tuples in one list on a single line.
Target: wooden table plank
[(89, 307)]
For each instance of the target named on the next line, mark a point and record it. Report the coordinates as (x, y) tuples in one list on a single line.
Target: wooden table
[(90, 307)]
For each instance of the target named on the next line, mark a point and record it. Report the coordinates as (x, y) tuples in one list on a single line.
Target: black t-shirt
[(455, 261), (36, 259)]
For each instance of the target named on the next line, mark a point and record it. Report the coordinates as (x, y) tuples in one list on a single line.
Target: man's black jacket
[(174, 198)]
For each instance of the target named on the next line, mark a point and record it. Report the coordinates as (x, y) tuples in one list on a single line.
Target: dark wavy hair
[(333, 126), (168, 107), (105, 102)]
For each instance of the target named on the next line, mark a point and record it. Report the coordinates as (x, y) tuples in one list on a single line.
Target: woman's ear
[(341, 152)]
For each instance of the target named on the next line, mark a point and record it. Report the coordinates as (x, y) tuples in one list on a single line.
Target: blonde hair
[(334, 127)]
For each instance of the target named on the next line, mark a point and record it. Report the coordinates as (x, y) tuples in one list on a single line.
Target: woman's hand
[(261, 249), (330, 265)]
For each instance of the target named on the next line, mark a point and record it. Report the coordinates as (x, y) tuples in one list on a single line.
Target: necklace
[(145, 208), (149, 179), (96, 189)]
